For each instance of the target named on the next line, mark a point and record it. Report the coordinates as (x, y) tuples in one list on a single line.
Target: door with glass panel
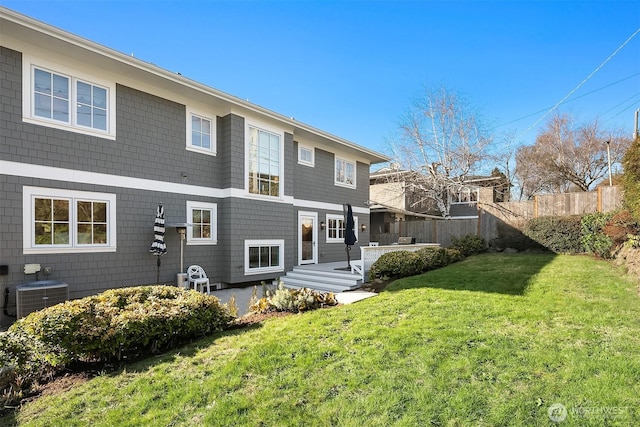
[(307, 238)]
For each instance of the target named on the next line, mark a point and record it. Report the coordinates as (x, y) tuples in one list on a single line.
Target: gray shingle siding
[(146, 164)]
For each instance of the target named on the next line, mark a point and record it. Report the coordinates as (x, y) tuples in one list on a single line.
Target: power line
[(579, 85), (570, 100)]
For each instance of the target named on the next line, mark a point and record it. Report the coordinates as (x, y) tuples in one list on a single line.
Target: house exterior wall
[(146, 162)]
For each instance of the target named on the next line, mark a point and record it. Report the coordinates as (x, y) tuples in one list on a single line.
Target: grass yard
[(494, 340)]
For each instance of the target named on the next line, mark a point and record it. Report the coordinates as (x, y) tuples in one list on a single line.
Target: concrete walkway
[(243, 297)]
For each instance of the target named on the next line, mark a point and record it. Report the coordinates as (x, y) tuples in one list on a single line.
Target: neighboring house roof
[(21, 29)]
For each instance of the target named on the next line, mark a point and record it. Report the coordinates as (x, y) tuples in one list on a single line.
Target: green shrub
[(433, 258), (631, 178), (124, 322), (593, 238), (293, 300), (453, 255), (468, 245), (24, 362), (558, 234), (397, 264)]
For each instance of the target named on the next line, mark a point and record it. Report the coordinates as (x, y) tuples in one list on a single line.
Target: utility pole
[(609, 160), (635, 125)]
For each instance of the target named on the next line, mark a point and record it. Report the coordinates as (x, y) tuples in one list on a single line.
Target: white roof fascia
[(51, 31)]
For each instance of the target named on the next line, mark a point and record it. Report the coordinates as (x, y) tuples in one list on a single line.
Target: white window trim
[(335, 174), (29, 246), (28, 66), (280, 133), (341, 218), (213, 207), (452, 199), (310, 163), (214, 143), (274, 242)]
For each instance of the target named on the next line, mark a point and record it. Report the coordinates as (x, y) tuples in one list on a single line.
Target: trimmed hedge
[(116, 324), (397, 264), (468, 245), (125, 322), (558, 234), (404, 263)]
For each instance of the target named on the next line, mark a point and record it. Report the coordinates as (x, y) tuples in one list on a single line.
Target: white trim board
[(27, 170)]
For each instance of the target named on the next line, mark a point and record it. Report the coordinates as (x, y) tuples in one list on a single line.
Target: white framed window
[(465, 195), (58, 97), (203, 218), (201, 132), (264, 161), (335, 227), (64, 221), (305, 156), (345, 173), (263, 256)]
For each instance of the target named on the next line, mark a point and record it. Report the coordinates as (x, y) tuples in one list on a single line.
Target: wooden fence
[(503, 220)]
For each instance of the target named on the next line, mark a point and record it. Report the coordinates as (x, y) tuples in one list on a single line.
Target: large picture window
[(345, 173), (264, 162), (263, 256), (60, 221), (203, 218), (61, 99)]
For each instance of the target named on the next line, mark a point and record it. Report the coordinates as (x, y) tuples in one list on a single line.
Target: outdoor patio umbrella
[(349, 233), (158, 247)]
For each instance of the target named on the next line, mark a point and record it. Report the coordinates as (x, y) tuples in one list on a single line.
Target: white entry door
[(307, 238)]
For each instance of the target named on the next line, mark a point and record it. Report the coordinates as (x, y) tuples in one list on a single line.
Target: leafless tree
[(442, 139), (568, 156)]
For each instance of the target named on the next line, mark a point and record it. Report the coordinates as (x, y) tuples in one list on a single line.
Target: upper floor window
[(201, 133), (305, 156), (264, 157), (345, 173), (465, 195), (63, 100), (63, 221), (203, 218)]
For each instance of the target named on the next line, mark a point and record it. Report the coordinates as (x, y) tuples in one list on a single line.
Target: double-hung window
[(68, 101), (345, 173), (63, 221), (263, 256), (336, 226), (201, 132), (203, 218), (264, 158)]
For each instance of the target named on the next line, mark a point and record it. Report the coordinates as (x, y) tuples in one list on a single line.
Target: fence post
[(435, 231), (599, 203), (479, 222), (535, 206)]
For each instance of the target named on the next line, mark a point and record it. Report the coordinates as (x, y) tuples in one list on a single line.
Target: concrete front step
[(315, 276), (322, 280)]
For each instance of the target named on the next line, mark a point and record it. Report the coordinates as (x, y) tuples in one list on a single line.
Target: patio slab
[(353, 296)]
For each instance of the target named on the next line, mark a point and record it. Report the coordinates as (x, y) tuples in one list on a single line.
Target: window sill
[(85, 250)]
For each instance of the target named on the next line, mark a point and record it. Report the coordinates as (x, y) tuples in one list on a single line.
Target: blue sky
[(352, 68)]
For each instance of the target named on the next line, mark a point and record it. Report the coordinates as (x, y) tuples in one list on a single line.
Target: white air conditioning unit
[(38, 295)]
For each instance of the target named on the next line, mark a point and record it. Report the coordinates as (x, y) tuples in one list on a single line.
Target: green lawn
[(493, 340)]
